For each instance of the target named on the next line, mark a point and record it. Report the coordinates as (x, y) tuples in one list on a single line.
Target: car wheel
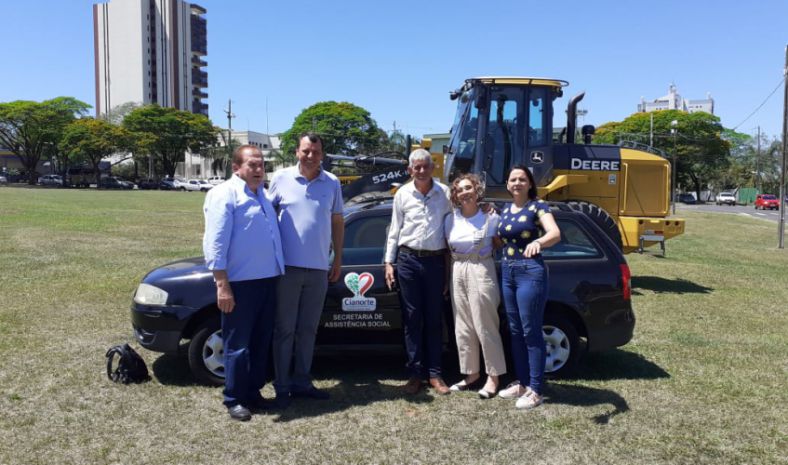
[(206, 353), (563, 345), (182, 189)]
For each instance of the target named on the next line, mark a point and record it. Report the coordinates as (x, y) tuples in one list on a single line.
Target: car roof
[(385, 204), (560, 209)]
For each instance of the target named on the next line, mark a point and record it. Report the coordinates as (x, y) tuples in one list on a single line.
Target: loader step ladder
[(652, 238)]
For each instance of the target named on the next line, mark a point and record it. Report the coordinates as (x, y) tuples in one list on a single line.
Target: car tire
[(601, 218), (206, 353), (562, 345), (182, 189)]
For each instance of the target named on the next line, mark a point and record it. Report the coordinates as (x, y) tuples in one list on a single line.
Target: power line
[(762, 103)]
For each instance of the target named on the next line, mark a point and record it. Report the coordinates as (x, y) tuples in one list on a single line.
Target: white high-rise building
[(150, 51), (673, 101)]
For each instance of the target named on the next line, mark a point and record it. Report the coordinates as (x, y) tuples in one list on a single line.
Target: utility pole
[(651, 130), (781, 227), (674, 169), (758, 163), (228, 162)]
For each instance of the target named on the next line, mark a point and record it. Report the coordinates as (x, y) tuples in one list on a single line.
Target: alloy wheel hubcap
[(213, 354), (558, 348)]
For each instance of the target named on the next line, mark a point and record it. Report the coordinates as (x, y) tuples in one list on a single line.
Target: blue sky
[(399, 60)]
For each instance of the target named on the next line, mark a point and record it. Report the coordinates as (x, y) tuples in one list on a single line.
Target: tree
[(119, 112), (167, 133), (702, 153), (93, 140), (345, 128), (32, 130)]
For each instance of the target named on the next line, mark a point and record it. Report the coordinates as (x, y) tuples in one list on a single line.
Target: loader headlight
[(150, 295)]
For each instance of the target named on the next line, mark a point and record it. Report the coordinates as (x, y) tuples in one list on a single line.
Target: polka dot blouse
[(517, 230)]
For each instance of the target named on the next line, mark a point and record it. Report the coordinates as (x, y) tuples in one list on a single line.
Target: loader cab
[(501, 122)]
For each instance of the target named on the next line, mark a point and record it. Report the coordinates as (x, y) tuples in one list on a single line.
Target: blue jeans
[(247, 332), (421, 281), (524, 283)]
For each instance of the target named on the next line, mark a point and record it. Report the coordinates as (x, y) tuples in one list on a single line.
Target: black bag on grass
[(131, 367)]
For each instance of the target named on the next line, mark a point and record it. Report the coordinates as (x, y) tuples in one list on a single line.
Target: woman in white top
[(474, 286)]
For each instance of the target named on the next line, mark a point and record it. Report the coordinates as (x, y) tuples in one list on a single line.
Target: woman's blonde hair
[(477, 184)]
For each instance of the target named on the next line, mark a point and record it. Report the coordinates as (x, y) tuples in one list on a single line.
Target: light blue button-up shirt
[(241, 232), (305, 208)]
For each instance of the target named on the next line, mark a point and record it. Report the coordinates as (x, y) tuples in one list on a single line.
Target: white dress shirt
[(417, 220)]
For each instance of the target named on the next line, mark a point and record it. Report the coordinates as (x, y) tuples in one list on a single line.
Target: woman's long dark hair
[(531, 182)]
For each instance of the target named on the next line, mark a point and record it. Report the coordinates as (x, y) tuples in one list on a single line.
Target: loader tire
[(601, 218), (369, 197)]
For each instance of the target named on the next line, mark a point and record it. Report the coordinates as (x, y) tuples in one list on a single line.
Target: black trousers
[(421, 282)]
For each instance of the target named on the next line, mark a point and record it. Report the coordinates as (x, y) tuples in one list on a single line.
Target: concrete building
[(673, 101), (195, 166), (150, 51)]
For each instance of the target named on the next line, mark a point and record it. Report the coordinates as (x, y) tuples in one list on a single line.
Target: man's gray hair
[(419, 155)]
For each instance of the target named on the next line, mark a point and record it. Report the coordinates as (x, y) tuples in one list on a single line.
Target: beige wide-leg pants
[(475, 297)]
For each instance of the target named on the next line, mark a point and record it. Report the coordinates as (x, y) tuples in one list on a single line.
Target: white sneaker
[(513, 391), (529, 400)]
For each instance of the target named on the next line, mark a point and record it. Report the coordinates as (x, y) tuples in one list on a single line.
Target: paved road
[(772, 215)]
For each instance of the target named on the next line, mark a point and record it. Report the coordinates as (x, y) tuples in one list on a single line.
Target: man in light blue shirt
[(243, 249), (309, 202)]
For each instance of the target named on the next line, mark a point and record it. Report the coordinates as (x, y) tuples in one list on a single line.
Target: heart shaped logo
[(359, 284)]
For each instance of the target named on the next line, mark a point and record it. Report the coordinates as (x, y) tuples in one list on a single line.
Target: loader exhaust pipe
[(571, 117)]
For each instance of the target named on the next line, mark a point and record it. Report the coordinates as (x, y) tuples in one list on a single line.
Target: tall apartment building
[(150, 51), (673, 101)]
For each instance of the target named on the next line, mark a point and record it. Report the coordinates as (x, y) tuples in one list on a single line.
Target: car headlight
[(150, 295)]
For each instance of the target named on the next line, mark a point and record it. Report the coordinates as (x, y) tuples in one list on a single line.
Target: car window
[(575, 242), (365, 240)]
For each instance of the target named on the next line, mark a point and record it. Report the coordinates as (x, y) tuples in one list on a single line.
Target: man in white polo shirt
[(309, 204)]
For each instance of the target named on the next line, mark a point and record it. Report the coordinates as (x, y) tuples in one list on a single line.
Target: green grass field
[(705, 379)]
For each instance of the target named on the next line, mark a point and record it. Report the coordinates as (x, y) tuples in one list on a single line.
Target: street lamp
[(674, 130), (230, 116)]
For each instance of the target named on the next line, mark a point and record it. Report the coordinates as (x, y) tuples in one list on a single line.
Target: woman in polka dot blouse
[(526, 227)]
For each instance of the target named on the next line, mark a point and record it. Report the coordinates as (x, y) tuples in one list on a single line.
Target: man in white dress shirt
[(416, 242)]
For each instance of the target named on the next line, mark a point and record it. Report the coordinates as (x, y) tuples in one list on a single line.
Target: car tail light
[(626, 281)]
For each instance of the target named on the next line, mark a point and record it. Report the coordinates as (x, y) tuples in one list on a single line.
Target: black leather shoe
[(239, 412), (312, 393)]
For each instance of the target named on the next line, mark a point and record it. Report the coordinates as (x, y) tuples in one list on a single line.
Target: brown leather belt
[(421, 253)]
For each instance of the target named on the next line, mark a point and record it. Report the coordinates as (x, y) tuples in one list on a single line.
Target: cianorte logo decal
[(359, 284)]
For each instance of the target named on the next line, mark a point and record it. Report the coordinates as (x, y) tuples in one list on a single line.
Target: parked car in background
[(3, 180), (148, 184), (766, 201), (589, 298), (54, 180), (167, 184), (188, 186), (205, 186), (726, 198), (111, 182), (216, 180), (687, 198)]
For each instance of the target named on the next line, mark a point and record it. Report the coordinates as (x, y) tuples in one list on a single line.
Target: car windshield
[(769, 197)]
